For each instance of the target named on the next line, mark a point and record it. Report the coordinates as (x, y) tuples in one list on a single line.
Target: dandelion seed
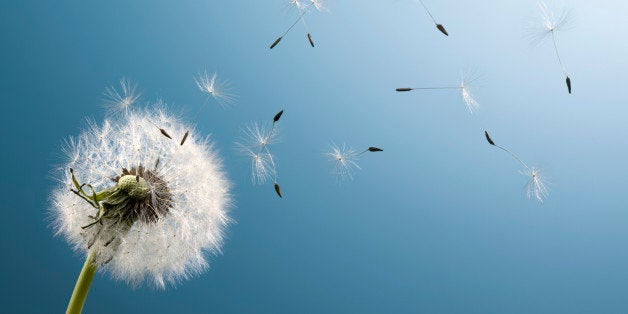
[(255, 145), (120, 100), (465, 87), (302, 9), (549, 24), (168, 205), (375, 149), (535, 187), (440, 27)]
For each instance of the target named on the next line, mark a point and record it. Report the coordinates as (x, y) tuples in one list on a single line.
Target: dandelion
[(302, 9), (345, 160), (536, 187), (255, 145), (440, 27), (465, 87), (137, 204), (549, 24), (121, 100)]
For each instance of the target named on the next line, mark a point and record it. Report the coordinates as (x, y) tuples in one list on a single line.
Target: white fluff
[(174, 247)]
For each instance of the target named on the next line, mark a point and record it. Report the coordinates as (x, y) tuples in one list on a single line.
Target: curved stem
[(82, 285)]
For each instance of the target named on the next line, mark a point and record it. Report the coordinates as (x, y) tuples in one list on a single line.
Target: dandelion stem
[(428, 11), (515, 157), (557, 54), (295, 23), (82, 285)]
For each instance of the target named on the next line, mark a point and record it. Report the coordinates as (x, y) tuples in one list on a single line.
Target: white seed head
[(215, 88), (121, 100), (548, 21), (181, 190), (344, 160), (536, 187), (318, 5), (466, 85)]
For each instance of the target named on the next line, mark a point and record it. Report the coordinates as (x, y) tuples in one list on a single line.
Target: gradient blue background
[(437, 223)]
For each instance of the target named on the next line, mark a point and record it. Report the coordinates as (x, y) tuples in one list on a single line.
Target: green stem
[(82, 285)]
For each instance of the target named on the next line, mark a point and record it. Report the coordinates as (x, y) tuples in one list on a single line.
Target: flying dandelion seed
[(536, 187), (148, 209), (214, 88), (255, 145), (550, 23), (120, 100), (302, 9), (440, 27), (345, 160), (465, 87)]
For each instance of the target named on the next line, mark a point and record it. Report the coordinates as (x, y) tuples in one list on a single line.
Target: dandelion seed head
[(215, 88), (318, 5), (181, 192), (466, 85), (536, 187), (549, 21), (345, 161), (120, 100)]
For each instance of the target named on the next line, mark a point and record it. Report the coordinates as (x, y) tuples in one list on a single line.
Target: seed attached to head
[(375, 149), (185, 136), (165, 133)]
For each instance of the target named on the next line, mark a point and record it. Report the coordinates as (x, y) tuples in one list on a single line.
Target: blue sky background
[(437, 223)]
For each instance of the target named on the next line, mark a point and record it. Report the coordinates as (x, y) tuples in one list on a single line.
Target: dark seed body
[(404, 89), (309, 37), (278, 190), (375, 149), (278, 116), (488, 138), (165, 133), (185, 137), (441, 28), (275, 42), (568, 81)]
